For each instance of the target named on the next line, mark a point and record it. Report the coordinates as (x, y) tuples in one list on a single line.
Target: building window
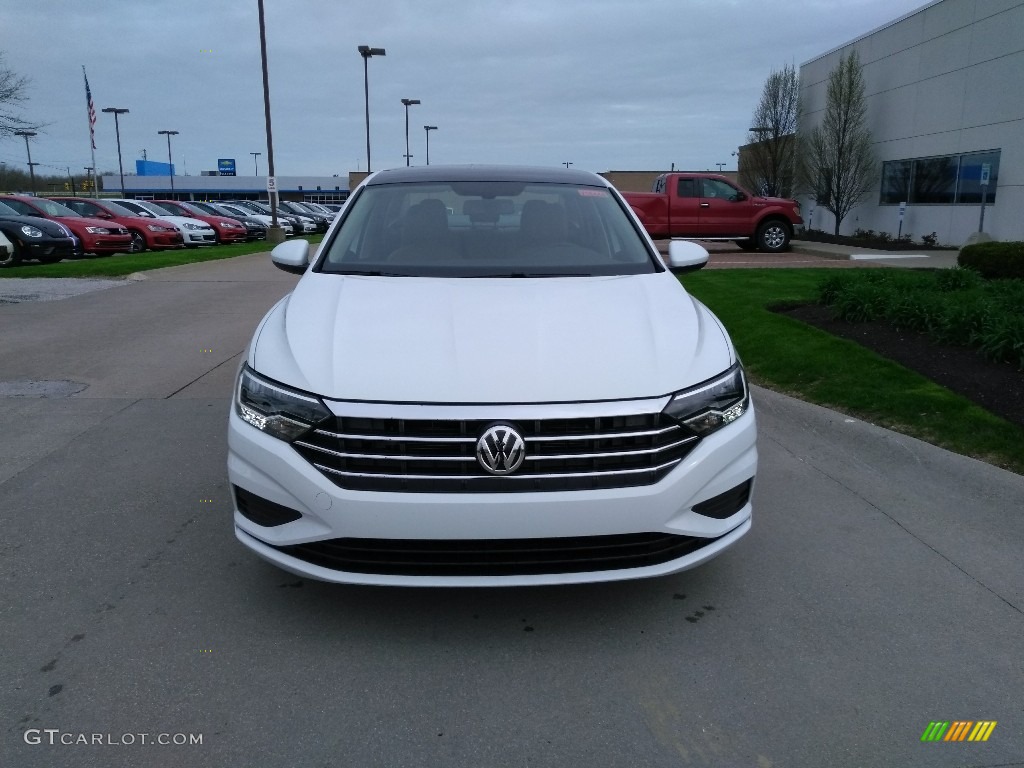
[(969, 188), (944, 180), (896, 182)]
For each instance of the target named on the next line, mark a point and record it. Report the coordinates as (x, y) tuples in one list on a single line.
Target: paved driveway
[(881, 588)]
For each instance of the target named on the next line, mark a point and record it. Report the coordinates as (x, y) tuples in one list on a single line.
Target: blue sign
[(226, 166)]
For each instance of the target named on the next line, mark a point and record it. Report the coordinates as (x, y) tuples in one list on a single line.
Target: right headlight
[(708, 407), (273, 408), (29, 231)]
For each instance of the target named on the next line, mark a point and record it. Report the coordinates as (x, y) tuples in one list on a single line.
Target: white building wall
[(945, 79)]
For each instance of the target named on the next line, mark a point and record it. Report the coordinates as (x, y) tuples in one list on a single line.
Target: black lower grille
[(496, 557), (725, 504), (263, 511)]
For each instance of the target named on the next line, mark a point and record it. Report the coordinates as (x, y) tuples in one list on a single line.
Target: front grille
[(495, 557), (439, 456)]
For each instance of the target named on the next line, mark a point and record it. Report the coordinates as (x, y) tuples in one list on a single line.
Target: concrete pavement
[(880, 589)]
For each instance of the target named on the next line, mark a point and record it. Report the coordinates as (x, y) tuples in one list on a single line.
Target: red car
[(97, 236), (228, 230), (145, 233)]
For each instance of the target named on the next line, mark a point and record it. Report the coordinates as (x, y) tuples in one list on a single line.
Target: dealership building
[(945, 106)]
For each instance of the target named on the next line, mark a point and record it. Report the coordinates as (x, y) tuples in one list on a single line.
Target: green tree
[(836, 161), (766, 162), (12, 95)]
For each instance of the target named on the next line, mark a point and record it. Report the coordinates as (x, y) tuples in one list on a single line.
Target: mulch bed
[(996, 387)]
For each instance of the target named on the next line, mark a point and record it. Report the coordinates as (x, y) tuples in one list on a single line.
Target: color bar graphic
[(958, 730)]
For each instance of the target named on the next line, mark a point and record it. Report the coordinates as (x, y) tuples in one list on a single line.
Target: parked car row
[(55, 228)]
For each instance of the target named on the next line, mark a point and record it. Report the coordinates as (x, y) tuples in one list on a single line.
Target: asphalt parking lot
[(881, 588)]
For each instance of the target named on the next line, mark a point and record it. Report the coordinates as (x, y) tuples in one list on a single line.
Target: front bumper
[(274, 471), (199, 237)]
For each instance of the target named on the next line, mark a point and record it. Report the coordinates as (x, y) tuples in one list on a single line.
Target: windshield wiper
[(368, 274), (534, 274)]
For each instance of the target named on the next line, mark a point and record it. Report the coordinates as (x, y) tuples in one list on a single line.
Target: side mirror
[(685, 256), (291, 256), (739, 197)]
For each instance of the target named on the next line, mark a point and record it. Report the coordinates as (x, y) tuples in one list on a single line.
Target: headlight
[(29, 231), (155, 228), (274, 408), (97, 230), (190, 225), (708, 407)]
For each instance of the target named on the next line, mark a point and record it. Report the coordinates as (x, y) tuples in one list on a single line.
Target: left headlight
[(273, 408), (708, 407), (97, 230)]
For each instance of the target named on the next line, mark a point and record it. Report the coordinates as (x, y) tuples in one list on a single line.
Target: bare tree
[(12, 95), (767, 160), (836, 162)]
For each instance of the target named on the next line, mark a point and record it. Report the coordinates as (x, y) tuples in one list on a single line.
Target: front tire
[(138, 242), (773, 236), (10, 258)]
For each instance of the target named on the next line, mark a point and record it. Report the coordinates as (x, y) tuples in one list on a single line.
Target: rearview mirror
[(685, 256), (291, 256)]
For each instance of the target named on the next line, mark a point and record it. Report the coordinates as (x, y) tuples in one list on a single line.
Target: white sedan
[(193, 231), (488, 377)]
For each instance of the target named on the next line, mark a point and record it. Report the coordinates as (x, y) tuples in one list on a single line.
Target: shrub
[(994, 260), (930, 240)]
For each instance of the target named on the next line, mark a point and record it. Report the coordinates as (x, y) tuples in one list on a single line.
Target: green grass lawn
[(788, 356), (126, 263)]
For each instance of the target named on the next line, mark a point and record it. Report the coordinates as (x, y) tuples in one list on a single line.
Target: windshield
[(140, 209), (118, 210), (487, 229), (164, 209), (6, 210), (53, 208), (187, 208)]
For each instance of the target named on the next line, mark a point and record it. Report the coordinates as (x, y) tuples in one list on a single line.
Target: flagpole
[(92, 141)]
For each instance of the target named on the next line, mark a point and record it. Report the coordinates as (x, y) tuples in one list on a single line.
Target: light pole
[(89, 180), (408, 103), (117, 129), (367, 52), (428, 129), (255, 161), (566, 164), (275, 234), (170, 165), (721, 166), (31, 165)]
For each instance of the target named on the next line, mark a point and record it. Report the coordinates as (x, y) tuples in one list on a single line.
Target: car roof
[(523, 173)]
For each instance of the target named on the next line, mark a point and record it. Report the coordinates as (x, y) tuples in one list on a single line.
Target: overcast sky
[(603, 84)]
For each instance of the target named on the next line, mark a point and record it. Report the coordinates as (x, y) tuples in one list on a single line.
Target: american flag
[(92, 110)]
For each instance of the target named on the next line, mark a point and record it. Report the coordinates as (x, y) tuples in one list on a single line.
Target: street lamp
[(89, 170), (170, 165), (117, 129), (428, 129), (721, 166), (255, 161), (566, 164), (31, 165), (367, 52), (408, 103)]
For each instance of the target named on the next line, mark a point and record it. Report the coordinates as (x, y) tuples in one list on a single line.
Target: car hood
[(49, 226), (71, 222), (489, 340), (179, 220)]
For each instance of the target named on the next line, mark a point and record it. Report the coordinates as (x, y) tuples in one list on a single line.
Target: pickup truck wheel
[(773, 236), (747, 245)]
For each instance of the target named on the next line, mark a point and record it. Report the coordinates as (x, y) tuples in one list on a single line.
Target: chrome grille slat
[(438, 455)]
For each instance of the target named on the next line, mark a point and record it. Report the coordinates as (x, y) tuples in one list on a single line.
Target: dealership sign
[(226, 166)]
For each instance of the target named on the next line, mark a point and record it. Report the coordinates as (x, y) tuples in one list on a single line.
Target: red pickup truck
[(707, 206)]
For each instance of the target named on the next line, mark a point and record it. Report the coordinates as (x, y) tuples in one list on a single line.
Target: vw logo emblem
[(500, 450)]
